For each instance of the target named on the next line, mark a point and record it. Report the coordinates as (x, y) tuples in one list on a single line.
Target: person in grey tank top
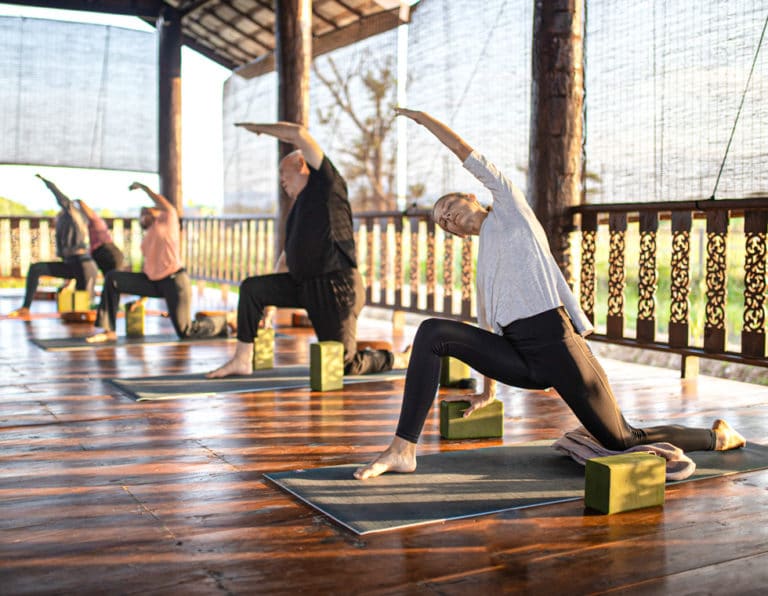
[(531, 328)]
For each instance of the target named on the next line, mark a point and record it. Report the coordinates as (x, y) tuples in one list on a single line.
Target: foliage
[(9, 207), (369, 157)]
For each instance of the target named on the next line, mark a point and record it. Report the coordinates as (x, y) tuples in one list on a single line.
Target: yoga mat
[(196, 385), (70, 344), (461, 484)]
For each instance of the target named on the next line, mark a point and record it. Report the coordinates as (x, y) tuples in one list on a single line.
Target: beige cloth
[(581, 446)]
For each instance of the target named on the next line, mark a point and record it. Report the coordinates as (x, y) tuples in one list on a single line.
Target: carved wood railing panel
[(409, 264), (725, 221)]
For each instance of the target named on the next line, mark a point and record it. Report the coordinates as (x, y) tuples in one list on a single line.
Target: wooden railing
[(686, 277), (25, 240), (726, 239)]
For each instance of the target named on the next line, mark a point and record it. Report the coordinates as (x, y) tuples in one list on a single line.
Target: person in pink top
[(103, 250), (162, 276)]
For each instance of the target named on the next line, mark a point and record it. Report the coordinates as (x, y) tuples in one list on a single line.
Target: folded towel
[(581, 446)]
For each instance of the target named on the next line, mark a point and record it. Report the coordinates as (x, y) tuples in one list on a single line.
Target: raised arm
[(444, 134), (86, 209), (288, 132), (62, 199), (160, 201)]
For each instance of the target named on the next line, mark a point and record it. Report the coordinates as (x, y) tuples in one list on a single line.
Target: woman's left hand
[(476, 401)]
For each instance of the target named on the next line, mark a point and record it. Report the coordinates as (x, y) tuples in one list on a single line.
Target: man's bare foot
[(233, 367), (240, 364), (19, 312), (100, 338), (727, 438), (401, 359), (400, 456)]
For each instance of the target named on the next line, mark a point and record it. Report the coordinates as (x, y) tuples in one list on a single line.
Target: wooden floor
[(100, 494)]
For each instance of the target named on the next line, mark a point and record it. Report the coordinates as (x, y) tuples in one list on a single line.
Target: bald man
[(317, 270)]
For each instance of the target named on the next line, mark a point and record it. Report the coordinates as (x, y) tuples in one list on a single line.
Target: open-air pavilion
[(102, 493)]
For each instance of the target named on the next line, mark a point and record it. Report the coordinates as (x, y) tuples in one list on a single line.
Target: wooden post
[(169, 105), (717, 280), (557, 97), (293, 52), (681, 281), (753, 331)]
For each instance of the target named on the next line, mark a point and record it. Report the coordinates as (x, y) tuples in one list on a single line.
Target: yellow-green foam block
[(484, 423), (452, 371), (73, 300), (65, 299), (264, 349), (326, 366), (134, 319), (624, 482), (81, 301)]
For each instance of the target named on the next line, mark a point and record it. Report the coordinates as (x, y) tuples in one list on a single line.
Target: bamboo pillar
[(557, 97), (293, 57), (169, 105)]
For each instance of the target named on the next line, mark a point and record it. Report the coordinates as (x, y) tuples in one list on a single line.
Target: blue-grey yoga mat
[(196, 385), (69, 344), (460, 484)]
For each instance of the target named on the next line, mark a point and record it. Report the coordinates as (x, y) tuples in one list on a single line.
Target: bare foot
[(240, 364), (100, 338), (19, 312), (400, 456), (233, 367), (402, 359), (727, 438)]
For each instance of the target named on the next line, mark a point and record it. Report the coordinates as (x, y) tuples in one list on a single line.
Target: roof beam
[(244, 34), (137, 8), (362, 29)]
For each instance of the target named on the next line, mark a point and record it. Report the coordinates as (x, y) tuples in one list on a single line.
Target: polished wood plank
[(101, 494)]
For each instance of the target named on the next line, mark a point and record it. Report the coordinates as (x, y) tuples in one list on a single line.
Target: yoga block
[(65, 299), (484, 423), (74, 300), (134, 320), (264, 349), (326, 366), (81, 301), (452, 371), (624, 482)]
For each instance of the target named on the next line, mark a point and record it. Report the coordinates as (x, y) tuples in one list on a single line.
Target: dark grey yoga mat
[(69, 344), (460, 484), (196, 385)]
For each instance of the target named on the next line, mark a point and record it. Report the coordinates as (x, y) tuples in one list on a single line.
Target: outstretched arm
[(86, 209), (443, 133), (478, 400), (62, 199), (289, 132), (160, 201)]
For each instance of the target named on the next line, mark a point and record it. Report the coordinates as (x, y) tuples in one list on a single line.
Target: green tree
[(9, 207), (368, 158)]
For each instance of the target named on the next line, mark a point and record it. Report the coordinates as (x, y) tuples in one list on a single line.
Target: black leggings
[(332, 301), (175, 289), (535, 353), (108, 257), (82, 270)]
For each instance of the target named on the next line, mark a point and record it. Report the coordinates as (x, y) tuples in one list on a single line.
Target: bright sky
[(202, 174)]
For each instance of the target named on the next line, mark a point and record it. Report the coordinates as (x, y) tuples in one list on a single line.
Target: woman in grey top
[(531, 326)]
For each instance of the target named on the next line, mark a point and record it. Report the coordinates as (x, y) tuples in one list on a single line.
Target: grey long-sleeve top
[(517, 276), (71, 229)]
